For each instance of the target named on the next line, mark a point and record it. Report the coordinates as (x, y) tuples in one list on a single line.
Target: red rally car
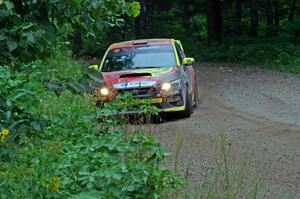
[(152, 69)]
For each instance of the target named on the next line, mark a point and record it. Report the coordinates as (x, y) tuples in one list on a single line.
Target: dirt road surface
[(260, 112)]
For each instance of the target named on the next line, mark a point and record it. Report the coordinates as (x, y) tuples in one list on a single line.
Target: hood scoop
[(136, 75)]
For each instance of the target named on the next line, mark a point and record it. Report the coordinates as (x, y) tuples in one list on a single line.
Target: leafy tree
[(29, 29)]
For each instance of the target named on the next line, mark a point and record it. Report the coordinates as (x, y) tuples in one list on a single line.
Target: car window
[(139, 57)]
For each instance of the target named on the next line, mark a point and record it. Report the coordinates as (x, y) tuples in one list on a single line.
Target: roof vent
[(140, 42)]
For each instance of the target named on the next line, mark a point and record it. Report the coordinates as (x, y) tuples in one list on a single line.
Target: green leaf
[(135, 8), (2, 37), (93, 194), (36, 126), (30, 37), (27, 26), (9, 5), (90, 185), (23, 129), (12, 45), (4, 13)]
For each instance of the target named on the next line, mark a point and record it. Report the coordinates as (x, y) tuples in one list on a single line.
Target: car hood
[(157, 75)]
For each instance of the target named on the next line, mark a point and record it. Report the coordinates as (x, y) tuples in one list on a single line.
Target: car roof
[(142, 42)]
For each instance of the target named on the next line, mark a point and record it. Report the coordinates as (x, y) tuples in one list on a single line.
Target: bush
[(21, 90), (272, 53), (73, 159), (17, 93), (74, 155)]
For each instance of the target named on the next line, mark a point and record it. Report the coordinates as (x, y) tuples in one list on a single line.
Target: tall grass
[(224, 181)]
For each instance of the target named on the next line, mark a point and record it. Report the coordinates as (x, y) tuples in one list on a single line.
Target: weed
[(224, 181)]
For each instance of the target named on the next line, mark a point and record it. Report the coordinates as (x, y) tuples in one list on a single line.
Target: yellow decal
[(181, 108), (153, 101), (102, 62)]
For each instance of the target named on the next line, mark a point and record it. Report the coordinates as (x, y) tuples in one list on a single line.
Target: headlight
[(166, 86), (104, 91), (174, 85)]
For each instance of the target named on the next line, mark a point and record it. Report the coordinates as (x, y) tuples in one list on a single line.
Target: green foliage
[(273, 53), (113, 165), (116, 112), (74, 155), (78, 161), (135, 8), (198, 23), (119, 166), (30, 29), (20, 90), (16, 94)]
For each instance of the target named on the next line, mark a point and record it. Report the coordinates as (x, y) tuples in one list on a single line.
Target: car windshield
[(148, 56)]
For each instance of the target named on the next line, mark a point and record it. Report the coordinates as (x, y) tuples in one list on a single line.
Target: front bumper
[(164, 106), (172, 101)]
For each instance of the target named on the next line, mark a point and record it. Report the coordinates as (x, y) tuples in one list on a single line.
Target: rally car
[(152, 69)]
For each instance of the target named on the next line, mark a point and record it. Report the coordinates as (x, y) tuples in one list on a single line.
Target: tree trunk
[(137, 27), (140, 20), (238, 17), (270, 18), (292, 10), (276, 13), (214, 20), (254, 18)]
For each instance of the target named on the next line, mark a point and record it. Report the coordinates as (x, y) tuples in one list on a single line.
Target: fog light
[(104, 91), (166, 86)]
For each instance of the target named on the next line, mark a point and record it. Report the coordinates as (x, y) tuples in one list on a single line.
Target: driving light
[(166, 86), (104, 91)]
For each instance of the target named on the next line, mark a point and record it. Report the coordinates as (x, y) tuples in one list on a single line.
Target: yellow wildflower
[(5, 131), (3, 135)]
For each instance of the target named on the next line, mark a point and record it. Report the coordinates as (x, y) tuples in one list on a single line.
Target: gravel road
[(260, 112)]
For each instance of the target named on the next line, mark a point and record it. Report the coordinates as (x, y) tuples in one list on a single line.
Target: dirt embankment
[(260, 113)]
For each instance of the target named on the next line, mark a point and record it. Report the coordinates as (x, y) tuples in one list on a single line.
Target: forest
[(56, 143), (253, 31)]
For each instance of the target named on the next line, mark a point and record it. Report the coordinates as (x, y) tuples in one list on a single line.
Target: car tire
[(188, 111), (158, 119)]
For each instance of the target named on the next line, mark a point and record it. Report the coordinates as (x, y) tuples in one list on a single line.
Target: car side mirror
[(188, 61), (96, 67)]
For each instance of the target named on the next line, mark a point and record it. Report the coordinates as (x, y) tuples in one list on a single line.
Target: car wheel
[(188, 106), (158, 119)]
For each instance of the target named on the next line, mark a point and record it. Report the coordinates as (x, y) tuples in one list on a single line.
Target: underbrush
[(277, 53), (55, 142)]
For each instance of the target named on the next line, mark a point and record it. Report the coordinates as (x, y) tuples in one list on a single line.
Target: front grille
[(140, 92)]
